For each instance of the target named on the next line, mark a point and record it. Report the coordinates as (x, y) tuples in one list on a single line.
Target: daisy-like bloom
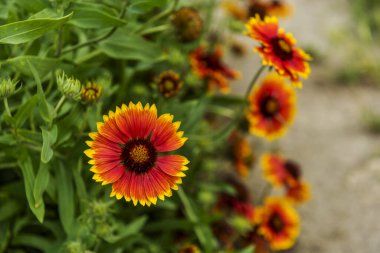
[(278, 8), (279, 171), (299, 192), (243, 156), (127, 153), (168, 83), (189, 248), (235, 9), (272, 107), (91, 92), (280, 223), (278, 49), (209, 66), (187, 23)]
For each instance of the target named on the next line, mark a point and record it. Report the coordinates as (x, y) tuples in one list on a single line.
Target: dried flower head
[(187, 23)]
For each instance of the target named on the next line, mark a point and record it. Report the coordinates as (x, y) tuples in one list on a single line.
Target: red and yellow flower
[(279, 171), (242, 155), (278, 8), (126, 152), (209, 66), (278, 49), (169, 83), (280, 223), (91, 92), (272, 107), (298, 192)]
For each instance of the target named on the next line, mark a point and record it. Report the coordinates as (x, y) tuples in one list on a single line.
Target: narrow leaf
[(41, 183), (26, 166), (65, 197), (27, 30), (88, 17)]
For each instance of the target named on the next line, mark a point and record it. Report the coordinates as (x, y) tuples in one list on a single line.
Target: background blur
[(336, 135)]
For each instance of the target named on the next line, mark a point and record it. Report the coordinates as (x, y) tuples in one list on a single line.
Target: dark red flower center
[(169, 85), (269, 107), (212, 62), (282, 49), (293, 169), (139, 155), (276, 223)]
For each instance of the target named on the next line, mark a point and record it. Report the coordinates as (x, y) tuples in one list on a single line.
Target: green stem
[(159, 16), (100, 38), (60, 103), (192, 217), (254, 80), (7, 107)]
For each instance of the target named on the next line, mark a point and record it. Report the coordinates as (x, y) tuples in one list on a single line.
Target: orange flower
[(280, 172), (209, 65), (243, 155), (278, 8), (272, 108), (298, 192), (280, 224), (126, 152), (278, 49)]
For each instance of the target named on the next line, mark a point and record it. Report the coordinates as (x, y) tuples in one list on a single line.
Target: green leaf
[(65, 197), (41, 183), (27, 30), (43, 65), (49, 137), (46, 110), (140, 6), (129, 230), (26, 166), (78, 179), (249, 249), (90, 17), (25, 111), (8, 209), (126, 46)]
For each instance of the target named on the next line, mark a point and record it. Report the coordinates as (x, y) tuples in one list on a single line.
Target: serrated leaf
[(88, 17), (27, 30), (65, 197)]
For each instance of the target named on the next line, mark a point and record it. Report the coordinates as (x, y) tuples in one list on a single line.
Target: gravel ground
[(340, 158)]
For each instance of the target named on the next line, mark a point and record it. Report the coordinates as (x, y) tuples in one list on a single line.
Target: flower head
[(242, 155), (8, 87), (209, 65), (127, 153), (299, 192), (187, 23), (278, 49), (69, 86), (272, 107), (91, 92), (279, 171), (280, 223), (189, 248), (168, 83)]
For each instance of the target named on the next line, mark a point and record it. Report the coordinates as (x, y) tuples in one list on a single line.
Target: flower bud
[(91, 93), (69, 86), (168, 83), (7, 88)]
